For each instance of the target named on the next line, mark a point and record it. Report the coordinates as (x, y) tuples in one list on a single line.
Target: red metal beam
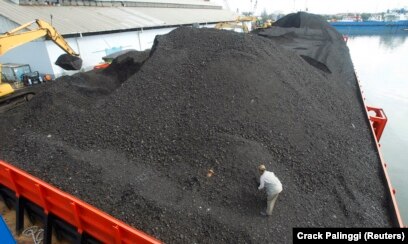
[(83, 216), (378, 121)]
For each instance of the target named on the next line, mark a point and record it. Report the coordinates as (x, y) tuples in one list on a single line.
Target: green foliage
[(365, 16)]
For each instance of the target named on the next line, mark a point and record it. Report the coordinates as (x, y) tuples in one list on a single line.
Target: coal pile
[(69, 62), (315, 41), (303, 20), (102, 82), (206, 100)]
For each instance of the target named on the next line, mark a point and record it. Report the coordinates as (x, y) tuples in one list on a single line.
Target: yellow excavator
[(240, 23), (232, 25), (257, 23), (246, 18), (263, 24), (11, 95)]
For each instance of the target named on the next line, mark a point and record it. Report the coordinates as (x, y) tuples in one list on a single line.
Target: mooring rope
[(36, 233)]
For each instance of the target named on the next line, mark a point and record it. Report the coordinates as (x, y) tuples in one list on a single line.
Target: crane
[(19, 36)]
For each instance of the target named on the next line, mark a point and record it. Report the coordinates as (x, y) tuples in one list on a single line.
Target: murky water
[(381, 62)]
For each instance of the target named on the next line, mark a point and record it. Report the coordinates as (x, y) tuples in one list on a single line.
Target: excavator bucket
[(69, 62)]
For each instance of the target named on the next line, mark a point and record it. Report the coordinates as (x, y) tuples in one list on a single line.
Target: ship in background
[(382, 23)]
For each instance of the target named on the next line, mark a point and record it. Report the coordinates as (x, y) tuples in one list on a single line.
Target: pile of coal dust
[(102, 82), (208, 100), (316, 42), (302, 20)]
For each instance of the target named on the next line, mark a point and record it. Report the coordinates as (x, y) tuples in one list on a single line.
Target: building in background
[(98, 28)]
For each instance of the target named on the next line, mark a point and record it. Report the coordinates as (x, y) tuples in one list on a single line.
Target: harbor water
[(381, 62)]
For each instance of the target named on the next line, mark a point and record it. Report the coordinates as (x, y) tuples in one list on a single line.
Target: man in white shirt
[(272, 186)]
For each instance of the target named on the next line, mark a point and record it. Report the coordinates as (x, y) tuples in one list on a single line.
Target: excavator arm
[(20, 36), (246, 18), (15, 38), (233, 25)]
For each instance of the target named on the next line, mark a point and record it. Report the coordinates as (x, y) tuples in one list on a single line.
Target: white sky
[(316, 6)]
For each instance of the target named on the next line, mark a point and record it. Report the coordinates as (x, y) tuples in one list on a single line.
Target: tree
[(365, 16), (247, 13), (264, 15)]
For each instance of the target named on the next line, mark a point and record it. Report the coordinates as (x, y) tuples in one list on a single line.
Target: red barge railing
[(56, 205), (378, 122)]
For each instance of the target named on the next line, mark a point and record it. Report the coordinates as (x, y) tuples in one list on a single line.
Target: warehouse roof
[(84, 19), (194, 2)]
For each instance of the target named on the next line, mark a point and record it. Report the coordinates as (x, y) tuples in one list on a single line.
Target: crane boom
[(15, 38)]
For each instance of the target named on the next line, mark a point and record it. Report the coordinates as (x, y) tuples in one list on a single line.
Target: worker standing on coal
[(273, 187)]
